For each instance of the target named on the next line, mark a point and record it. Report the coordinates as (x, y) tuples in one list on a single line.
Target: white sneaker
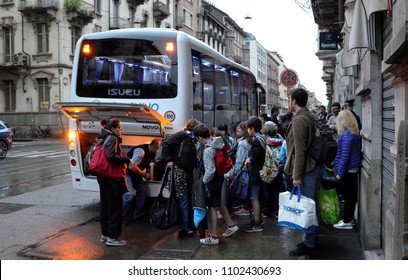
[(115, 242), (219, 215), (230, 231), (209, 241), (103, 238), (343, 225)]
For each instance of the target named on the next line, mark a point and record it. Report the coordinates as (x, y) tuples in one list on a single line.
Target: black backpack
[(323, 147)]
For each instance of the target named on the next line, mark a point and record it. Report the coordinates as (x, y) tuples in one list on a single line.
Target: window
[(75, 35), (97, 4), (43, 38), (43, 94), (187, 18), (8, 46), (9, 95)]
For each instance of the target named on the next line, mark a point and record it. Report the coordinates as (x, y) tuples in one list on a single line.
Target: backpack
[(270, 168), (223, 163), (158, 158), (240, 185), (323, 147)]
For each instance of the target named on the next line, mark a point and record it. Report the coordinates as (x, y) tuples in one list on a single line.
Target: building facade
[(369, 70), (38, 39)]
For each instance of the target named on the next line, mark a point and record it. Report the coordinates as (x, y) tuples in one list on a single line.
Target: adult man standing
[(141, 155), (274, 115), (302, 169), (335, 109)]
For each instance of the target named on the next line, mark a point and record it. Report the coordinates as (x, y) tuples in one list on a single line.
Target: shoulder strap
[(263, 142)]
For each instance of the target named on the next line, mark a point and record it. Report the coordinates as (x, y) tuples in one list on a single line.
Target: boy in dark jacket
[(256, 161)]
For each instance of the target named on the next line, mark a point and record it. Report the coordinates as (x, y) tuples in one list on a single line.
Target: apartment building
[(38, 39), (367, 67)]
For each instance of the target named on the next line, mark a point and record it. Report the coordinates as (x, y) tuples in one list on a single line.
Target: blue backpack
[(240, 185)]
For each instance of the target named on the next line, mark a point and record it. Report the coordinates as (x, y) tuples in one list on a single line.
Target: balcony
[(326, 14), (36, 10), (161, 11), (80, 15), (136, 3)]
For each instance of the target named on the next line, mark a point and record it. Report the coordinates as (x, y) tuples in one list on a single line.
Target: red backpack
[(223, 163)]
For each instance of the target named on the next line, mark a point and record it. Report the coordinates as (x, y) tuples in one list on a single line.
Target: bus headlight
[(72, 153)]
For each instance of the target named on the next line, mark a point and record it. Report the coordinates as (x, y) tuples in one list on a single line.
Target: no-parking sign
[(288, 78)]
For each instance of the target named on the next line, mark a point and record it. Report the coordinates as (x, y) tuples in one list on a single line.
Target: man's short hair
[(255, 123), (155, 143), (336, 104), (274, 110), (301, 96)]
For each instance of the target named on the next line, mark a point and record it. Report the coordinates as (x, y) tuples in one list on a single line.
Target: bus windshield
[(127, 68)]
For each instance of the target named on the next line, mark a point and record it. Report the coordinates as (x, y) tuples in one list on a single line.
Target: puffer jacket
[(348, 153)]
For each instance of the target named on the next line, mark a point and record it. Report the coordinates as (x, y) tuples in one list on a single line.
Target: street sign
[(288, 78)]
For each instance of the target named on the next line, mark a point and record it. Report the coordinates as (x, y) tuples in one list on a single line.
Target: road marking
[(34, 154)]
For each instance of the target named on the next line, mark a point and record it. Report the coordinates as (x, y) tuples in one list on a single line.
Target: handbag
[(165, 210), (297, 213), (100, 166)]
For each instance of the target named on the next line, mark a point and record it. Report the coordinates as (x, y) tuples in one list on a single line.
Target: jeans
[(310, 189), (137, 191), (185, 210)]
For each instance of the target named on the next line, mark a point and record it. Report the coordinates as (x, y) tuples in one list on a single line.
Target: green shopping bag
[(329, 206)]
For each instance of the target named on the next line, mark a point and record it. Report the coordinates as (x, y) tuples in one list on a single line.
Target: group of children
[(247, 149)]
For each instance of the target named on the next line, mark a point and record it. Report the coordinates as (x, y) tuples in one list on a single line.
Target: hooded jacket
[(209, 157)]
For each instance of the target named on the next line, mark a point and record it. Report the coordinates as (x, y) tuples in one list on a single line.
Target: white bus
[(170, 72)]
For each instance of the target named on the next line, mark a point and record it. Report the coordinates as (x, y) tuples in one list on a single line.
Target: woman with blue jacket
[(347, 164)]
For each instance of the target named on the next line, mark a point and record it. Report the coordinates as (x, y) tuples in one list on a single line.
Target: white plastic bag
[(297, 212)]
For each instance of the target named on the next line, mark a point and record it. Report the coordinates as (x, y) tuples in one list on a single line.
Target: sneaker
[(264, 216), (210, 241), (115, 242), (254, 226), (230, 231), (242, 212), (301, 250), (219, 215), (343, 225), (103, 238)]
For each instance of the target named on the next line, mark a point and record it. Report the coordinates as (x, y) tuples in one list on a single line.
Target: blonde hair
[(347, 121)]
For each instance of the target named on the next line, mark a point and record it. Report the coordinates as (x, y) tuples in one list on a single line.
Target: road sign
[(288, 78)]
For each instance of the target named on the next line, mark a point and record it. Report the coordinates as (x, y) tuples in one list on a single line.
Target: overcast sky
[(282, 26)]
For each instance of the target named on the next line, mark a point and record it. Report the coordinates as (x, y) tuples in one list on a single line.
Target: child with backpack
[(213, 180), (270, 201)]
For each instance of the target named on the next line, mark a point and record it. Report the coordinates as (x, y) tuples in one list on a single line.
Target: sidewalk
[(274, 243)]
